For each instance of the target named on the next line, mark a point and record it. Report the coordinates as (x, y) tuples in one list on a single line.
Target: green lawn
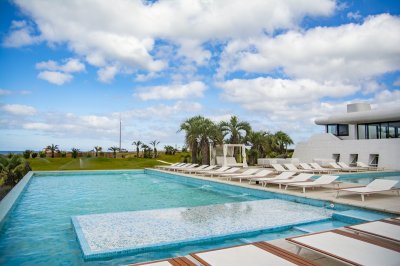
[(100, 163)]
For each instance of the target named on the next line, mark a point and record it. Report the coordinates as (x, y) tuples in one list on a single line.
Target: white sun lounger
[(256, 254), (385, 229), (346, 166), (259, 176), (307, 167), (349, 248), (167, 166), (208, 168), (293, 168), (182, 169), (279, 168), (245, 173), (229, 171), (324, 180), (367, 167), (376, 186), (190, 169), (303, 177), (173, 168), (318, 167), (340, 168), (182, 261), (280, 177), (218, 171)]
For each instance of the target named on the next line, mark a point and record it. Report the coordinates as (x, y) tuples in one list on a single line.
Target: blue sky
[(70, 69)]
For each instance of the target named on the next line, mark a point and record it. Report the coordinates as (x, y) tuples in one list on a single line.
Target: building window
[(353, 159), (338, 129), (373, 159), (379, 130)]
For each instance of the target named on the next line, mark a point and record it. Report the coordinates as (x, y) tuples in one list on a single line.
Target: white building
[(362, 134)]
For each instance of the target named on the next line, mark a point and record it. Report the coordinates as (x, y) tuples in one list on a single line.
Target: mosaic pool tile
[(102, 235)]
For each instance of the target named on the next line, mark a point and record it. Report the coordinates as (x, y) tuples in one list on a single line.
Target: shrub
[(34, 155), (42, 154), (74, 153), (63, 154)]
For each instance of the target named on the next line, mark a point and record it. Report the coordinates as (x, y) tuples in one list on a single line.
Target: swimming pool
[(365, 178), (39, 231)]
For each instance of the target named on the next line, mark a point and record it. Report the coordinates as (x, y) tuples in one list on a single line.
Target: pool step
[(358, 216), (320, 226)]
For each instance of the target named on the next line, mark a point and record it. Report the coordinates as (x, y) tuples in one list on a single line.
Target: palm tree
[(114, 150), (282, 140), (53, 148), (146, 151), (209, 132), (11, 169), (260, 144), (98, 149), (237, 131), (191, 127), (137, 143), (75, 152), (154, 143)]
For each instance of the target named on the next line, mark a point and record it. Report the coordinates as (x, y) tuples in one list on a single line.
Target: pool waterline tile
[(113, 234)]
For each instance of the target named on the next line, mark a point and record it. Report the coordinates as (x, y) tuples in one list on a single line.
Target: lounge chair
[(385, 229), (218, 171), (346, 166), (349, 248), (367, 167), (198, 171), (279, 168), (166, 166), (324, 180), (291, 167), (257, 176), (250, 171), (229, 171), (307, 167), (188, 170), (281, 176), (342, 169), (181, 261), (376, 186), (303, 177), (256, 254), (318, 167)]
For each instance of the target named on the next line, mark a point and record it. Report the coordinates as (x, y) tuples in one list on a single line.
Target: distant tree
[(98, 149), (282, 140), (154, 143), (137, 144), (169, 150), (27, 154), (74, 153), (34, 155), (52, 148), (114, 150), (146, 151)]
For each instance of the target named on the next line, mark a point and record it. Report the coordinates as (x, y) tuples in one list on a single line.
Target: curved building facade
[(362, 134)]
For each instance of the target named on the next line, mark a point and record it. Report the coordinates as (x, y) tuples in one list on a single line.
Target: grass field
[(100, 163)]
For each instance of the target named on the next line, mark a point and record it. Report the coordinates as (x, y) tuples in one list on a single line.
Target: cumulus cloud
[(55, 77), (350, 52), (107, 74), (176, 91), (19, 109), (21, 34), (130, 39), (70, 65)]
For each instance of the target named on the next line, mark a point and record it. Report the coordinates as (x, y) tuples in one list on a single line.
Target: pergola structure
[(228, 158)]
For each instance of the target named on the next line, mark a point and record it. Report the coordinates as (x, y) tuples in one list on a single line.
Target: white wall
[(324, 145)]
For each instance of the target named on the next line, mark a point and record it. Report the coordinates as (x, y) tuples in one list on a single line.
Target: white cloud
[(4, 92), (130, 39), (354, 15), (70, 65), (21, 35), (55, 77), (37, 126), (162, 111), (107, 74), (397, 82), (347, 53), (19, 109), (176, 91)]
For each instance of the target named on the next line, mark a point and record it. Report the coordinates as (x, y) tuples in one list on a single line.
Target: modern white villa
[(362, 134)]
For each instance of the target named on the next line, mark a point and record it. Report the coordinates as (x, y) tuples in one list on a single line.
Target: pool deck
[(385, 201)]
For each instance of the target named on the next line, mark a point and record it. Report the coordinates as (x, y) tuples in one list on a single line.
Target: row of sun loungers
[(371, 243), (289, 179)]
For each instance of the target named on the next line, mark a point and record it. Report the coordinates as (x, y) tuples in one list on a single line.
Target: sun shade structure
[(227, 158)]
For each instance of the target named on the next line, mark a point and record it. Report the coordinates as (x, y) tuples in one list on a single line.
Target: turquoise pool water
[(38, 230), (365, 178)]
